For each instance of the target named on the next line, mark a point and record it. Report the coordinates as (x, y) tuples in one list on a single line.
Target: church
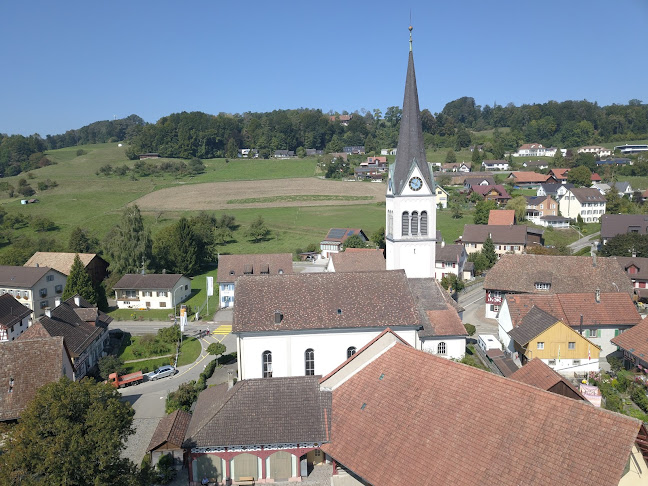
[(309, 324)]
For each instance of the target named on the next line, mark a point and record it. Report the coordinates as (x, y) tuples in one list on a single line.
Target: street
[(149, 398), (473, 302)]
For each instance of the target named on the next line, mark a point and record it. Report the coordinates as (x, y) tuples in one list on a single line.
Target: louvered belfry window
[(424, 223), (406, 224)]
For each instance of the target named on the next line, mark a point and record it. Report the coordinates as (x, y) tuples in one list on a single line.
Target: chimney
[(48, 312), (442, 243), (230, 379), (278, 317), (37, 265), (593, 259), (57, 301), (634, 252), (77, 300), (597, 296)]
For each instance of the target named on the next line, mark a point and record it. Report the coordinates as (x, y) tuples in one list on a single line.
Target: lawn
[(189, 352)]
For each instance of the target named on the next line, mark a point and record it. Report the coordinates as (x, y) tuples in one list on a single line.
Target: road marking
[(223, 329)]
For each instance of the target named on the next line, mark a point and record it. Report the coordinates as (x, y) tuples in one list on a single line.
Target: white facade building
[(152, 291), (34, 287), (586, 202)]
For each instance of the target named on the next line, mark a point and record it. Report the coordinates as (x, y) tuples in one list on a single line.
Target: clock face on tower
[(415, 183)]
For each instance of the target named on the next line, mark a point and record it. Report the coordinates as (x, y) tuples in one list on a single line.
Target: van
[(488, 341)]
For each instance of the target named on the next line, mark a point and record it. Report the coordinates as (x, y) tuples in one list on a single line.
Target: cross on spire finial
[(410, 29)]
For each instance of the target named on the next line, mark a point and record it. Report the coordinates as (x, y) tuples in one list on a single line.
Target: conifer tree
[(79, 282), (128, 244), (488, 251)]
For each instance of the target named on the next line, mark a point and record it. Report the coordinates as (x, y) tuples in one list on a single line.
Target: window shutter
[(598, 333)]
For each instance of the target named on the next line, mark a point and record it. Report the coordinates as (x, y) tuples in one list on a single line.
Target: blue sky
[(70, 63)]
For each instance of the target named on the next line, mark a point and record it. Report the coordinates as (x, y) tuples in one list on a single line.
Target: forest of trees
[(185, 135)]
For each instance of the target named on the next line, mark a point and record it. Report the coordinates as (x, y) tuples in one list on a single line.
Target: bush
[(639, 397), (169, 335), (165, 468), (470, 329), (182, 398), (110, 364), (216, 348), (81, 152)]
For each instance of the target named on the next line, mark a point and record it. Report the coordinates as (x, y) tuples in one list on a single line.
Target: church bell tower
[(410, 227)]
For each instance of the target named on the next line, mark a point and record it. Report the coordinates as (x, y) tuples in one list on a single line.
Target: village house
[(15, 318), (501, 217), (546, 274), (621, 188), (537, 373), (283, 154), (495, 165), (507, 239), (342, 119), (277, 335), (151, 291), (620, 224), (560, 175), (402, 396), (232, 438), (529, 179), (456, 167), (543, 210), (495, 193), (354, 149), (539, 335), (442, 196), (637, 270), (451, 259), (83, 327), (34, 287), (388, 151), (231, 267), (536, 164), (604, 315), (168, 438), (552, 151), (631, 149), (313, 152), (478, 181), (27, 365), (596, 150), (357, 260), (633, 343), (96, 266), (616, 161), (556, 191), (334, 241), (586, 202), (530, 150)]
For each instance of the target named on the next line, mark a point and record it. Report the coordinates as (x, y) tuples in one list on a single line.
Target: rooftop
[(500, 217), (230, 267), (22, 277), (164, 281), (364, 260), (59, 260)]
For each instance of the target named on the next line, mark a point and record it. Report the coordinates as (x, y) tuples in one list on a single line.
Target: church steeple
[(411, 150)]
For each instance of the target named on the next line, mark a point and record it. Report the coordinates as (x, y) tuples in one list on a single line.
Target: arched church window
[(309, 358), (441, 348), (415, 223), (424, 223), (267, 364), (406, 223), (351, 351)]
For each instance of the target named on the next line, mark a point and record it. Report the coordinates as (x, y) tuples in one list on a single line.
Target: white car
[(162, 372)]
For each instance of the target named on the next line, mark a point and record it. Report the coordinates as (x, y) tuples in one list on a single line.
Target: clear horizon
[(71, 64)]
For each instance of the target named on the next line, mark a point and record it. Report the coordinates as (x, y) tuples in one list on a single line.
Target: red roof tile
[(408, 414), (537, 373), (528, 177), (446, 322), (635, 340), (501, 216), (366, 260)]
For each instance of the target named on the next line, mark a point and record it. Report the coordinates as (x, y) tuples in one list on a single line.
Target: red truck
[(125, 380)]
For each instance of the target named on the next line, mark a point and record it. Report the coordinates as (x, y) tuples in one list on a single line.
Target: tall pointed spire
[(411, 150)]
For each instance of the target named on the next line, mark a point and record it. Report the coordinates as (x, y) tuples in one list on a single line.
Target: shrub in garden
[(470, 329)]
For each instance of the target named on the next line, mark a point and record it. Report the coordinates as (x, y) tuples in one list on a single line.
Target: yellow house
[(540, 335), (441, 196)]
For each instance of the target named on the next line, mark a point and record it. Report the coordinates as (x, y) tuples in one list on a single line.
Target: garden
[(623, 391)]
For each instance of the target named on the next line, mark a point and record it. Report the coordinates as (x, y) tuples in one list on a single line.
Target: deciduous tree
[(518, 204), (72, 433), (355, 241), (580, 176), (258, 231), (128, 244), (482, 211)]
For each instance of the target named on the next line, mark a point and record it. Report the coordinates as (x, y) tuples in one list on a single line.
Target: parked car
[(162, 372)]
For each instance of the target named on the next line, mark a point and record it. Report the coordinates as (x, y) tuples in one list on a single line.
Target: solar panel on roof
[(337, 233), (350, 233)]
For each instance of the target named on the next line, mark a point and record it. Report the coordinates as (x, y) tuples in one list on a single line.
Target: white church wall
[(288, 359), (455, 347)]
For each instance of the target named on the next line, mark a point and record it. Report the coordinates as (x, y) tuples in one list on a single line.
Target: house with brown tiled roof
[(530, 150), (634, 344), (586, 202), (278, 334), (620, 224), (83, 327), (34, 287), (430, 403), (27, 365), (507, 239), (260, 428), (357, 260), (15, 318), (501, 217), (541, 335), (637, 269), (96, 266), (151, 290), (528, 178), (450, 259), (598, 316), (537, 373), (495, 193), (335, 238), (478, 181), (545, 274), (231, 267), (168, 438)]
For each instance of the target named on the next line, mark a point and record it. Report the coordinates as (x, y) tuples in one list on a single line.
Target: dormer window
[(542, 286)]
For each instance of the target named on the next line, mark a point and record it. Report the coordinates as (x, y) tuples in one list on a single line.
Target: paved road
[(473, 303), (148, 399), (584, 242)]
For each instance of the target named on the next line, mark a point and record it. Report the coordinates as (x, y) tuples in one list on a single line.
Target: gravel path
[(137, 444)]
